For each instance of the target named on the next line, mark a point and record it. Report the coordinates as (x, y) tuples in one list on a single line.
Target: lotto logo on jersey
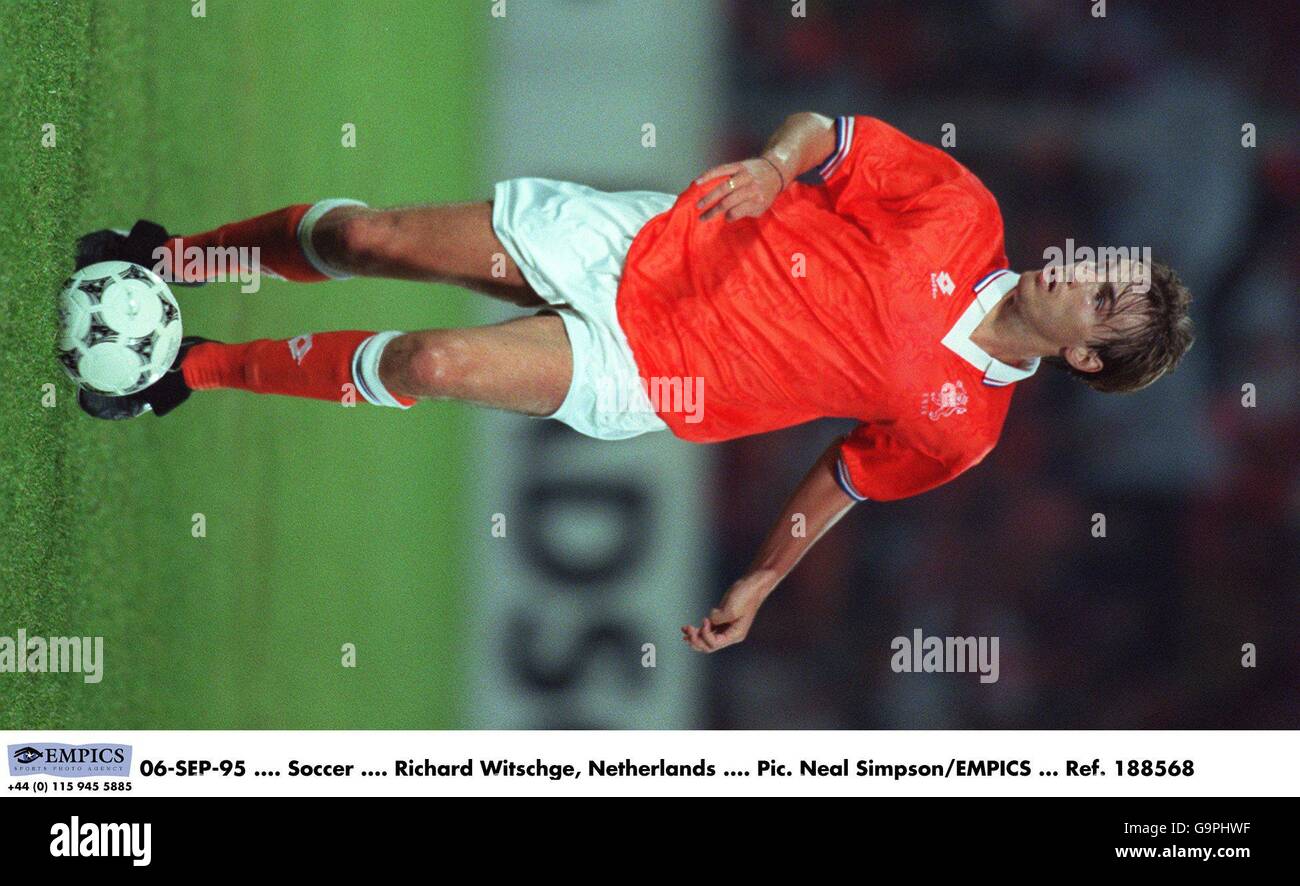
[(948, 400), (941, 282)]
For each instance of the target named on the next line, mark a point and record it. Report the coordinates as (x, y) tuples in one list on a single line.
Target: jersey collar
[(988, 292)]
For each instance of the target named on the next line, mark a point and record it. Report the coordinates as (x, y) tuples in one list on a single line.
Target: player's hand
[(756, 184), (729, 623)]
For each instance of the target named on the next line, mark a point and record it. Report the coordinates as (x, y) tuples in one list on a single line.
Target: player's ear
[(1082, 358)]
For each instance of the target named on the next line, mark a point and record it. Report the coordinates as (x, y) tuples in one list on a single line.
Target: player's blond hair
[(1136, 358)]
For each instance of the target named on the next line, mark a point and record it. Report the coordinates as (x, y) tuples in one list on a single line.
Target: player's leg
[(522, 365), (450, 243), (439, 243)]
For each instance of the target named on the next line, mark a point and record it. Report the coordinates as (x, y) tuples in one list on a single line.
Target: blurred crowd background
[(1124, 130)]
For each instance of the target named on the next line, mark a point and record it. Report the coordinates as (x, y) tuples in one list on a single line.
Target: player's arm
[(801, 143), (815, 506)]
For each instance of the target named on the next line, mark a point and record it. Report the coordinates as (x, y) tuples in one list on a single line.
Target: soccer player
[(749, 302)]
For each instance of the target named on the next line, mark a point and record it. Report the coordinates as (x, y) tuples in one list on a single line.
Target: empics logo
[(78, 839), (70, 761), (27, 755)]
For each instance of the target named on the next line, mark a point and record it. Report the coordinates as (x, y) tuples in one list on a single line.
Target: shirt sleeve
[(874, 161), (875, 465)]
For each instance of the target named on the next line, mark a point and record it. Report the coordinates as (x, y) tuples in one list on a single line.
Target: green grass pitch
[(324, 525)]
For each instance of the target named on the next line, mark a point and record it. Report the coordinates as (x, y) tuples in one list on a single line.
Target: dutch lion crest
[(949, 399)]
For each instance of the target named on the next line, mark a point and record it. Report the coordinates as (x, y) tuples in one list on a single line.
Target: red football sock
[(317, 365), (275, 234)]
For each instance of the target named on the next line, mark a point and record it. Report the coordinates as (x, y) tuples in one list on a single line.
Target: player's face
[(1068, 304)]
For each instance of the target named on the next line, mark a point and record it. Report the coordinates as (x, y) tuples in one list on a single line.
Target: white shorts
[(570, 241)]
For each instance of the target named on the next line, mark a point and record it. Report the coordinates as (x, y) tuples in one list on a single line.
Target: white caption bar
[(894, 763)]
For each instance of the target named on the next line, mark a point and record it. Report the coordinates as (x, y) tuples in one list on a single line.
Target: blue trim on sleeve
[(842, 475), (843, 143)]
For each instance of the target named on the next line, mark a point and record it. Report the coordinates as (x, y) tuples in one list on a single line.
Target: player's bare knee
[(425, 364), (440, 363)]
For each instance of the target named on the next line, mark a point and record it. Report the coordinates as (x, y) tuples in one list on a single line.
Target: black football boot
[(136, 246), (160, 398)]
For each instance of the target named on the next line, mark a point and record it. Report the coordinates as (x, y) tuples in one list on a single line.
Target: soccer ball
[(121, 327)]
